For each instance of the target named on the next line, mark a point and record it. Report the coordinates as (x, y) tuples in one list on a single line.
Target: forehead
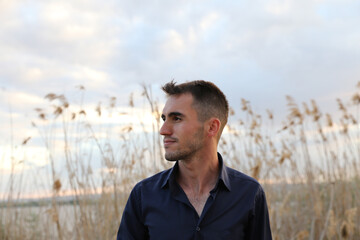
[(179, 103)]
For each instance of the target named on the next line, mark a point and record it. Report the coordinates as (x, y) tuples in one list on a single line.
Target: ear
[(213, 127)]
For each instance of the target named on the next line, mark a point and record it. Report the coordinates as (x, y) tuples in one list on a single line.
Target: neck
[(199, 174)]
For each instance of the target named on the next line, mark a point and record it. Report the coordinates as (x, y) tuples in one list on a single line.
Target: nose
[(165, 129)]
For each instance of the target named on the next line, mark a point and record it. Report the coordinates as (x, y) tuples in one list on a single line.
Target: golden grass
[(308, 165)]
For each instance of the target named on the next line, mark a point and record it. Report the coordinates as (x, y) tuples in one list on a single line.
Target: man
[(199, 198)]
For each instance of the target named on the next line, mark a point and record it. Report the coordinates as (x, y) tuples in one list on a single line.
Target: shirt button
[(197, 228)]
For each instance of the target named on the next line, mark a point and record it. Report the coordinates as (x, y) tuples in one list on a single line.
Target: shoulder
[(155, 181), (238, 179), (236, 175), (234, 179)]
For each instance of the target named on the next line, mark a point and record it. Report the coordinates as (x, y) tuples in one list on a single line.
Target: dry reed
[(309, 167)]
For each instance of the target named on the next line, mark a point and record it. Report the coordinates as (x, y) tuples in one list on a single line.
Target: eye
[(176, 119)]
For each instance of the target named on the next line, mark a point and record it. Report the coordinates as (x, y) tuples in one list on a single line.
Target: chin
[(177, 155), (173, 156), (170, 157)]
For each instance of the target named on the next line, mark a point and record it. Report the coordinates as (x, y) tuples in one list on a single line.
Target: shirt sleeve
[(132, 226), (259, 225)]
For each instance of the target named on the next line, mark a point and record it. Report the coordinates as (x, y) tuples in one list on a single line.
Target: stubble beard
[(188, 150)]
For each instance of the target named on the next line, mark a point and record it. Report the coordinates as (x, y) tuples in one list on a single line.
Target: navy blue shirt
[(159, 209)]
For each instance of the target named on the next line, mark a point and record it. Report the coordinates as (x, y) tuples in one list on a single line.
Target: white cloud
[(20, 100), (22, 158), (33, 75), (208, 21), (93, 79), (57, 11), (279, 8), (174, 45)]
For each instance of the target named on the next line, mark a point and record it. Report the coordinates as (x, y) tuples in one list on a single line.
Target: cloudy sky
[(260, 50)]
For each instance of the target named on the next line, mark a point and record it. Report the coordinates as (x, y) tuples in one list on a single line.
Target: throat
[(198, 201)]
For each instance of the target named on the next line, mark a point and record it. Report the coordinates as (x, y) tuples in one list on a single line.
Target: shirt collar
[(223, 176)]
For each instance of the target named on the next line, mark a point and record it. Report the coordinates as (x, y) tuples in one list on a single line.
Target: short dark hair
[(209, 100)]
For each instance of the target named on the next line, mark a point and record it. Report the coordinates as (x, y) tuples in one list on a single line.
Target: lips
[(169, 141)]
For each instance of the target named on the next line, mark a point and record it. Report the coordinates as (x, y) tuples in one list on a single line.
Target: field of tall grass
[(308, 163)]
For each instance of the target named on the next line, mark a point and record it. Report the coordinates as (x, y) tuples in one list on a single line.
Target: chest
[(198, 201), (174, 218)]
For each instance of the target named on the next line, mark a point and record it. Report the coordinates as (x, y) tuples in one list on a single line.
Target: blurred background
[(80, 100)]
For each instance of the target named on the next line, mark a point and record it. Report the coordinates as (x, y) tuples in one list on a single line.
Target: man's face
[(183, 133)]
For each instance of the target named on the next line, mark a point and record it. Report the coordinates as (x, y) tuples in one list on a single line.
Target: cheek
[(186, 129)]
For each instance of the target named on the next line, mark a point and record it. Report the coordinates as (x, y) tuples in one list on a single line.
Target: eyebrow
[(172, 114)]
